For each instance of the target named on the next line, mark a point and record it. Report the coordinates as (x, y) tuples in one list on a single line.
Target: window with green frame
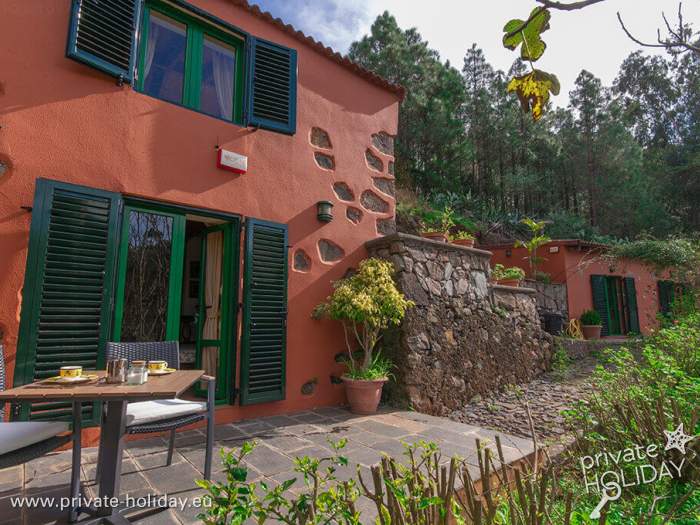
[(188, 62)]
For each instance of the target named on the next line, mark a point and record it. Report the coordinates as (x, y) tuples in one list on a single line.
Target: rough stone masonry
[(465, 337)]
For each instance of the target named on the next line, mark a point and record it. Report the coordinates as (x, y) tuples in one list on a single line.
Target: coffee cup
[(157, 366), (71, 372)]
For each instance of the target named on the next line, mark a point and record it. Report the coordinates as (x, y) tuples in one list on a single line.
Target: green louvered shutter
[(632, 311), (67, 294), (103, 34), (600, 300), (272, 86), (264, 348)]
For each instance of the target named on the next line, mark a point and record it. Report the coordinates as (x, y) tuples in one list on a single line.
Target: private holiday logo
[(633, 466)]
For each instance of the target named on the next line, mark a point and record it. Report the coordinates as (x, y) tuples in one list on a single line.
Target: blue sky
[(589, 39)]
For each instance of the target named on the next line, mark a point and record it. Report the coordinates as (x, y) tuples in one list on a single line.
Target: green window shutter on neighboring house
[(66, 308), (102, 34), (631, 292), (272, 86), (600, 300), (263, 354)]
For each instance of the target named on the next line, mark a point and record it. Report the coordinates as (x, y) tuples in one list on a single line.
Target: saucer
[(163, 372)]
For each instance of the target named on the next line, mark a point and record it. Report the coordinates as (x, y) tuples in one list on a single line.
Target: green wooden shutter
[(600, 300), (632, 311), (67, 294), (272, 86), (264, 348), (102, 34)]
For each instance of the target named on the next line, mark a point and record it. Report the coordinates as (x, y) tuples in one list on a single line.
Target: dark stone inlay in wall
[(320, 138), (386, 226), (385, 185), (390, 169), (325, 161), (343, 192), (302, 261), (373, 202), (383, 142), (330, 251), (354, 215), (373, 161)]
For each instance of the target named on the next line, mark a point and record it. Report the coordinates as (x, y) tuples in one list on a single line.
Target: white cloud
[(587, 39)]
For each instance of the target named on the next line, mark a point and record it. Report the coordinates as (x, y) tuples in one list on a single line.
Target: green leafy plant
[(366, 303), (379, 368), (462, 235), (590, 318), (442, 222), (501, 273), (537, 240), (543, 277)]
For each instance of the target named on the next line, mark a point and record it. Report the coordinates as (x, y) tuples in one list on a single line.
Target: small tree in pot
[(366, 304), (591, 324)]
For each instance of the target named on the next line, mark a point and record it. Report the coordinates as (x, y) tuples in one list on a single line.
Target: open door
[(215, 352)]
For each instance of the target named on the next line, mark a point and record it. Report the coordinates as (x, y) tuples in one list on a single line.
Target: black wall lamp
[(324, 211)]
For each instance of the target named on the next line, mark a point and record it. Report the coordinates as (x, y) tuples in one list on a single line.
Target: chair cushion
[(20, 434), (151, 411)]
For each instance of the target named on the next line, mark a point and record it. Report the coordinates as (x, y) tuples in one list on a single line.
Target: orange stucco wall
[(66, 121), (574, 267)]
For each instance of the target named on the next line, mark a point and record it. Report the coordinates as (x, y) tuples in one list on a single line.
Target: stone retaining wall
[(465, 337), (551, 297), (581, 348)]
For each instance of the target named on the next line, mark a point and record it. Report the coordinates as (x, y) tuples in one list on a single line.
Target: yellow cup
[(71, 371), (157, 366)]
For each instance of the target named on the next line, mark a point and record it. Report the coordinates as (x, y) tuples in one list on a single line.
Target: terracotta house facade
[(194, 171), (629, 295)]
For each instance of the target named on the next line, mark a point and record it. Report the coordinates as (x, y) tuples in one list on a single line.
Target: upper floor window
[(184, 61), (187, 57)]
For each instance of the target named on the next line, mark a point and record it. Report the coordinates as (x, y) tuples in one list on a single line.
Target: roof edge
[(321, 48)]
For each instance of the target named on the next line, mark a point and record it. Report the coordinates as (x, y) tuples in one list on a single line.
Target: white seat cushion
[(150, 411), (20, 434)]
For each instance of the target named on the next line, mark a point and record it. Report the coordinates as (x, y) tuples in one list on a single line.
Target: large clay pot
[(435, 236), (591, 331), (469, 243), (363, 396), (508, 282)]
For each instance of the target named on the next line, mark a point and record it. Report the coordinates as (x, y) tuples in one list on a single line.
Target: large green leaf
[(534, 90), (527, 34)]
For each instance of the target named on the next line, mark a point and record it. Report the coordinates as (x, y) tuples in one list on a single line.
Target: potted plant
[(507, 276), (462, 238), (439, 229), (366, 303), (591, 324)]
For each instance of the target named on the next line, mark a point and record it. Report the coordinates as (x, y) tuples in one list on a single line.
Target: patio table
[(116, 397)]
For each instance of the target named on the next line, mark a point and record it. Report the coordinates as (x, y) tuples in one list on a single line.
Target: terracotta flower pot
[(363, 396), (469, 243), (591, 331), (435, 236), (509, 282)]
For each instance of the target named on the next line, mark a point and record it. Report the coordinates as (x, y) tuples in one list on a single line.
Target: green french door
[(149, 282), (216, 307)]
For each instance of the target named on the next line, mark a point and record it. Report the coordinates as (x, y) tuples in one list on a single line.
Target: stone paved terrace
[(280, 439)]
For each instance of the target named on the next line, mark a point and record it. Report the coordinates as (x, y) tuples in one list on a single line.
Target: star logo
[(677, 439)]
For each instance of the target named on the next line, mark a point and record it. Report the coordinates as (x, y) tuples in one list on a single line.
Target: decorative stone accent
[(343, 192), (390, 169), (373, 202), (383, 142), (353, 214), (302, 261), (330, 251), (327, 162), (385, 185), (386, 226), (320, 138), (465, 337), (309, 387), (373, 161)]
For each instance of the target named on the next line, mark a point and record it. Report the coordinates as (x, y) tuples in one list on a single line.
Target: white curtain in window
[(223, 80), (153, 31), (212, 298)]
